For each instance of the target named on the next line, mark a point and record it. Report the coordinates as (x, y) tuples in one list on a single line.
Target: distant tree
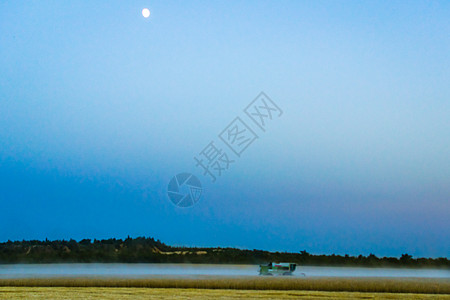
[(304, 253), (405, 257)]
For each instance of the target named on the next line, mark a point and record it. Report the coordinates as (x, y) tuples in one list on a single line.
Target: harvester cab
[(275, 268)]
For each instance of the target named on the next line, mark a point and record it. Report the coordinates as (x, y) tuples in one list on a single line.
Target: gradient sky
[(100, 107)]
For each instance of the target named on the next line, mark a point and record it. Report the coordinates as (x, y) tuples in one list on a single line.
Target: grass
[(88, 293), (364, 285)]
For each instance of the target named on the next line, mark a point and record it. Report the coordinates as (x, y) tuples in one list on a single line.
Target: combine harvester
[(275, 268)]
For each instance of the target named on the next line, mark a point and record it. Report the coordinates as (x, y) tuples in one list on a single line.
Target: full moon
[(146, 12)]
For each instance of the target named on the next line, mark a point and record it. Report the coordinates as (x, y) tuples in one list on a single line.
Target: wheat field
[(261, 284), (88, 293)]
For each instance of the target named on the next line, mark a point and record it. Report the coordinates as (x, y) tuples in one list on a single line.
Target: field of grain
[(363, 285), (89, 293)]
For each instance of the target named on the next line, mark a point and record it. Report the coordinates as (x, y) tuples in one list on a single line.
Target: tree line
[(149, 250)]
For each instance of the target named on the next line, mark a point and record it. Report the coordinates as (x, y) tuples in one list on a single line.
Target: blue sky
[(100, 108)]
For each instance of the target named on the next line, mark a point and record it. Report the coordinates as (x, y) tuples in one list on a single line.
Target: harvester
[(275, 268)]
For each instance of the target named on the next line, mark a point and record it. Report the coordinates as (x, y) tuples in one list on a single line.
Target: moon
[(146, 12)]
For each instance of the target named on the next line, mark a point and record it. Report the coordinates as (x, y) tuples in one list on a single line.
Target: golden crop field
[(88, 293), (222, 287)]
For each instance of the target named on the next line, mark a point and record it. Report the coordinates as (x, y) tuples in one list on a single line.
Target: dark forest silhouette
[(149, 250)]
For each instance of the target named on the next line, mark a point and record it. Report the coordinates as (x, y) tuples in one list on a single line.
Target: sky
[(100, 108)]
